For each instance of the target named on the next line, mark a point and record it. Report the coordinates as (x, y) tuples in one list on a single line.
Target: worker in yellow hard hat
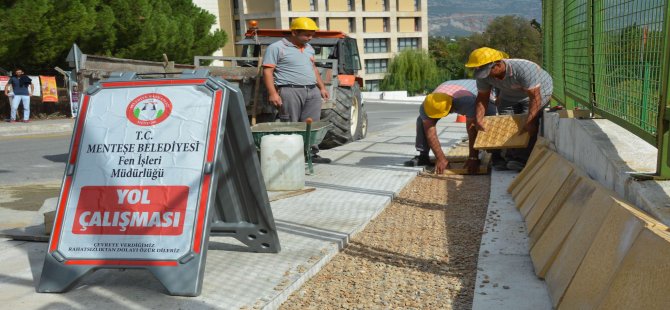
[(523, 88), (293, 82), (456, 96)]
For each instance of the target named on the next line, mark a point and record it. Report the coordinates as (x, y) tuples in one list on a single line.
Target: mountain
[(452, 18)]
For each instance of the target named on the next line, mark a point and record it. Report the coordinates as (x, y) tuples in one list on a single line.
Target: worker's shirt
[(520, 76), (463, 93), (293, 65)]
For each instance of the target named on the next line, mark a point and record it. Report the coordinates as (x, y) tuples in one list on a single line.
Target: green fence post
[(663, 134)]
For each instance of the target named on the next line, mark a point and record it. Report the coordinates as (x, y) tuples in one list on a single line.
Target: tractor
[(336, 58)]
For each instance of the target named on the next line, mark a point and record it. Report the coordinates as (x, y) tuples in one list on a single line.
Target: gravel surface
[(420, 253)]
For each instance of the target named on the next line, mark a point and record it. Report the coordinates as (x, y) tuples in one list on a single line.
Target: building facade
[(381, 28)]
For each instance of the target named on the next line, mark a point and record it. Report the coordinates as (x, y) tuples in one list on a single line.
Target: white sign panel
[(136, 187)]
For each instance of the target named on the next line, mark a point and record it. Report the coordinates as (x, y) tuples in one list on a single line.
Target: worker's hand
[(479, 124), (472, 165), (324, 94), (441, 164), (530, 128), (275, 100)]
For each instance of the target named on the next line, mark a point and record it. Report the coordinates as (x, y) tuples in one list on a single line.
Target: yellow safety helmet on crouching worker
[(303, 23), (437, 105)]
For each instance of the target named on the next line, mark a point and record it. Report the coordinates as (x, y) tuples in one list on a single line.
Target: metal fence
[(613, 56)]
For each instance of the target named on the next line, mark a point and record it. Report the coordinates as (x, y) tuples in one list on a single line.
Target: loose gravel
[(420, 253)]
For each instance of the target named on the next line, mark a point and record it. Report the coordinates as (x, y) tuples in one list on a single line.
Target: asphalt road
[(33, 159), (41, 158), (383, 116)]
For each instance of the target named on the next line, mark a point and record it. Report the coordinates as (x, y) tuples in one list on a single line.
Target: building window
[(236, 7), (238, 27), (417, 24), (312, 5), (386, 25), (408, 43), (372, 85), (352, 25), (376, 65), (290, 5), (351, 5), (376, 45), (417, 5)]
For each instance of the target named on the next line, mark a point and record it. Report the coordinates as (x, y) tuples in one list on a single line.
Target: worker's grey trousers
[(298, 104)]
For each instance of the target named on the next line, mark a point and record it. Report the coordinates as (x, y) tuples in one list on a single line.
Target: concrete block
[(565, 138), (550, 241), (502, 132), (609, 247), (536, 224), (641, 281), (578, 242)]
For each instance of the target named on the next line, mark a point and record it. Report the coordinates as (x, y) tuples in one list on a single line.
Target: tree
[(516, 36), (448, 56), (38, 34), (411, 70)]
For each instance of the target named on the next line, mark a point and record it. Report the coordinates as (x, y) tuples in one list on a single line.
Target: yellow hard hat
[(483, 56), (437, 105), (303, 23)]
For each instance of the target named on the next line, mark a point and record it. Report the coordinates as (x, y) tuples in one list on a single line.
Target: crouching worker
[(456, 96)]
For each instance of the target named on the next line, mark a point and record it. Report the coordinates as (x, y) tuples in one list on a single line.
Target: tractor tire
[(345, 116), (363, 132)]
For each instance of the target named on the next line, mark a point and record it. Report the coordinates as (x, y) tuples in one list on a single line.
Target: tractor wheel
[(345, 117), (364, 127)]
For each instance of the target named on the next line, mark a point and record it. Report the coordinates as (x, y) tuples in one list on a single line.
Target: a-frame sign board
[(154, 165)]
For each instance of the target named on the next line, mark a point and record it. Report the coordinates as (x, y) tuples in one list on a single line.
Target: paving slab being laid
[(505, 278), (312, 227)]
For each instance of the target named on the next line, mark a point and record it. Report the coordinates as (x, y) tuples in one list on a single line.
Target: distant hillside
[(463, 17)]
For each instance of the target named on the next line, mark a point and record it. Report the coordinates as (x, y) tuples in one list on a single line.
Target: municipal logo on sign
[(149, 109)]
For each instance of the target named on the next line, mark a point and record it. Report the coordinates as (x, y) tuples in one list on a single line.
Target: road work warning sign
[(155, 167), (137, 189)]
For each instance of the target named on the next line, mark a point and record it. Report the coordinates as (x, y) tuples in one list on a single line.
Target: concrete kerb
[(313, 228), (37, 127)]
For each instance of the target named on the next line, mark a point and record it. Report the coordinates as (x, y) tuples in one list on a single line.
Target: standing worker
[(20, 84), (524, 87), (451, 96), (293, 82)]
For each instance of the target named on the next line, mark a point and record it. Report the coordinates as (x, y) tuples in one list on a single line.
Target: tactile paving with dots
[(459, 153), (502, 132)]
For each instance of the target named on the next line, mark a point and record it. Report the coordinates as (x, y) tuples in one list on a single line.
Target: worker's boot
[(419, 160)]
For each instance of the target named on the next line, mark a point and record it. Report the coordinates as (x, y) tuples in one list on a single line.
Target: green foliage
[(511, 34), (448, 57), (38, 34), (411, 70)]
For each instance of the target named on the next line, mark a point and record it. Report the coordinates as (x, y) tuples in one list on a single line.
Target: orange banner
[(49, 90)]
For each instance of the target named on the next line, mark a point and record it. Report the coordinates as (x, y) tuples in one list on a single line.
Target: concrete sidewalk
[(351, 191)]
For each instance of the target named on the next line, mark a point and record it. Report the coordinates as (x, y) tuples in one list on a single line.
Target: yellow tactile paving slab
[(536, 177), (612, 242), (459, 153), (544, 251), (578, 242), (548, 185), (641, 281), (528, 172), (502, 132), (553, 189), (537, 153), (536, 226)]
